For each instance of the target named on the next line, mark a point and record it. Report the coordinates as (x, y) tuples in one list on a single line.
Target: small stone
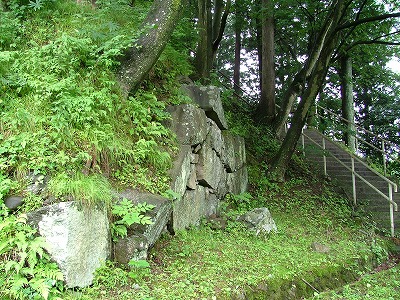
[(259, 220), (318, 247), (13, 202)]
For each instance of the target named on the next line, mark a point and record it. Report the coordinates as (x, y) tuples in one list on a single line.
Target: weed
[(26, 269), (128, 214)]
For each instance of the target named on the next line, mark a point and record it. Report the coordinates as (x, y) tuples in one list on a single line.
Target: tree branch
[(368, 20)]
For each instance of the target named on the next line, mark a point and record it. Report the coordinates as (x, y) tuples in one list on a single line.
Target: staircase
[(369, 190)]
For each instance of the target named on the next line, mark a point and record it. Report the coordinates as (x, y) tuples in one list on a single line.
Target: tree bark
[(346, 74), (238, 48), (203, 59), (266, 108), (140, 58), (211, 25)]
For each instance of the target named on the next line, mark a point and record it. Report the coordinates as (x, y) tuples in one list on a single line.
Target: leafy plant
[(127, 214), (26, 269)]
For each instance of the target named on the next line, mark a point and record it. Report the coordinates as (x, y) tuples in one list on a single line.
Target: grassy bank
[(232, 262)]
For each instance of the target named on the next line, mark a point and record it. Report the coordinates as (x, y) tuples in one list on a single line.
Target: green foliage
[(26, 269), (60, 106), (5, 186), (127, 214), (110, 275), (92, 190)]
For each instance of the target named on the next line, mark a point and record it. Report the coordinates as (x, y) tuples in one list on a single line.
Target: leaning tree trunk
[(348, 102), (281, 160), (320, 59), (140, 58)]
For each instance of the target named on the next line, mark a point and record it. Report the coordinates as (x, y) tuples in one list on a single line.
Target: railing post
[(391, 210), (324, 148), (353, 177), (356, 142), (384, 157)]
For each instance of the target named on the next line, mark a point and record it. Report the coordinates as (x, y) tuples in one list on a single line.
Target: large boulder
[(78, 239), (208, 98), (189, 123)]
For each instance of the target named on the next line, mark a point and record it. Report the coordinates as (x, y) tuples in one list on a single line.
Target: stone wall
[(211, 163)]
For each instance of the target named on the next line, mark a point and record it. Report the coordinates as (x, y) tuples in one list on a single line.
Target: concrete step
[(367, 198)]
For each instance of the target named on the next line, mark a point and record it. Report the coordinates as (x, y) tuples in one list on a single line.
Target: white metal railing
[(385, 144), (392, 187)]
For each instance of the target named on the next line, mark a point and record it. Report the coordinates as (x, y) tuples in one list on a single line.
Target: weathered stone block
[(234, 156), (78, 239), (259, 220), (215, 139), (132, 247), (210, 168), (160, 215), (237, 182), (188, 210), (189, 124), (181, 170), (208, 98)]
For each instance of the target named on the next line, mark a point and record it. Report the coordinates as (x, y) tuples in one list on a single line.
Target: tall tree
[(265, 112), (212, 18), (346, 74)]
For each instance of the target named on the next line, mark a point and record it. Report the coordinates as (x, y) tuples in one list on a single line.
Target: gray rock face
[(132, 247), (210, 168), (189, 124), (142, 237), (13, 202), (218, 159), (208, 98), (181, 170), (259, 220), (78, 240), (234, 156)]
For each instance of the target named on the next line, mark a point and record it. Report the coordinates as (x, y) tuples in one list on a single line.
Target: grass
[(384, 285), (204, 263)]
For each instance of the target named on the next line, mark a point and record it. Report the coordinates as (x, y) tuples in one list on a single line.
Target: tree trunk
[(282, 158), (203, 57), (266, 108), (346, 74), (211, 25), (138, 60), (320, 60), (300, 79), (238, 48)]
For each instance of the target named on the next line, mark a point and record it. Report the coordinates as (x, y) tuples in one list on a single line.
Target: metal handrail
[(384, 142), (392, 186), (359, 127)]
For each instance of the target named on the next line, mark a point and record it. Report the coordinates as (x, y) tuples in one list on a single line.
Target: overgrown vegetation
[(62, 115)]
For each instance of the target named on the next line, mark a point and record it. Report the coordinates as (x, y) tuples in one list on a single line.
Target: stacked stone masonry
[(211, 161)]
